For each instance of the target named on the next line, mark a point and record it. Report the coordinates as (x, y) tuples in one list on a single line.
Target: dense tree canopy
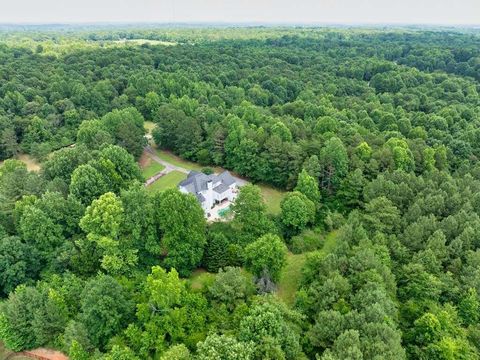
[(370, 138)]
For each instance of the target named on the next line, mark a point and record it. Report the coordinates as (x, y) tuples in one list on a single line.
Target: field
[(273, 197), (292, 272), (167, 181), (32, 164), (144, 41)]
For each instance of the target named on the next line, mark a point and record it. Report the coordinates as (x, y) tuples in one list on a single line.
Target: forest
[(372, 136)]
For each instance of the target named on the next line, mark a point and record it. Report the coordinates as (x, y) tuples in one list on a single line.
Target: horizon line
[(237, 23)]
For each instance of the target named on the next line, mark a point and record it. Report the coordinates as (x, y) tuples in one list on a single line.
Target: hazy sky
[(291, 11)]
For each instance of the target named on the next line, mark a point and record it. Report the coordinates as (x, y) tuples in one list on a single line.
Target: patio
[(220, 212)]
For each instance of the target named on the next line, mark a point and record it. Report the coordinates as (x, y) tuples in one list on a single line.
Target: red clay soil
[(44, 354), (144, 160)]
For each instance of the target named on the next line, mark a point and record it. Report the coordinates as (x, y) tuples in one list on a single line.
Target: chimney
[(209, 184)]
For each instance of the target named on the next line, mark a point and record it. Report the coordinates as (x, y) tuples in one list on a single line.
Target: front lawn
[(177, 161), (167, 181), (151, 169)]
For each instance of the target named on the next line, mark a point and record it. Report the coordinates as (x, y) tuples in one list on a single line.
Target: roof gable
[(197, 182)]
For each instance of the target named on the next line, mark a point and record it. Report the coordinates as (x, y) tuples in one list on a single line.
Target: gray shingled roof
[(226, 178), (220, 188), (197, 182)]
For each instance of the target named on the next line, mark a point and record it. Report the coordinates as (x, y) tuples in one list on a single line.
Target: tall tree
[(251, 213), (297, 212), (102, 222), (181, 223), (333, 164), (308, 186), (105, 309), (267, 254)]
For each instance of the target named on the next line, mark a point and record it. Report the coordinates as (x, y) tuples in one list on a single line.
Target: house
[(210, 190)]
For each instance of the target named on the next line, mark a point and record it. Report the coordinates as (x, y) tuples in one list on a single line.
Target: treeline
[(374, 134), (90, 264)]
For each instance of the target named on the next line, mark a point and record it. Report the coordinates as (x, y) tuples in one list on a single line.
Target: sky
[(447, 12)]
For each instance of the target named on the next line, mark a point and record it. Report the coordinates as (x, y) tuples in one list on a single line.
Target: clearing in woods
[(292, 272)]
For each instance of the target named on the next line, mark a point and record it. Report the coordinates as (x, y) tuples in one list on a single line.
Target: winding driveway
[(169, 167)]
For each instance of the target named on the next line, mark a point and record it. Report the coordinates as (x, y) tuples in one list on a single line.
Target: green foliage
[(268, 253), (31, 317), (102, 222), (63, 162), (306, 241), (93, 134), (120, 353), (251, 213), (218, 252), (333, 163), (272, 329), (387, 131), (297, 212), (181, 221), (402, 156), (308, 186), (17, 265), (126, 127), (222, 347), (176, 352), (230, 287), (104, 309), (168, 314), (381, 215), (87, 184)]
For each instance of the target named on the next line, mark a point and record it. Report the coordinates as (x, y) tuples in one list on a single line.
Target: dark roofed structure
[(209, 189)]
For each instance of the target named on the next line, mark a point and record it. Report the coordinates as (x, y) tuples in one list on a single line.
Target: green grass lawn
[(168, 181), (290, 277), (177, 161), (273, 197), (330, 242), (292, 272), (151, 169)]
